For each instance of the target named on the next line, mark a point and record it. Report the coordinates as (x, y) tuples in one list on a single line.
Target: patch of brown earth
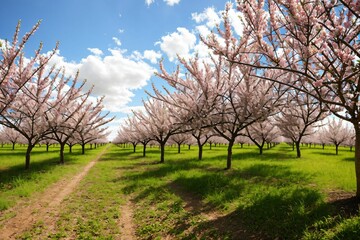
[(345, 203), (43, 209), (126, 223)]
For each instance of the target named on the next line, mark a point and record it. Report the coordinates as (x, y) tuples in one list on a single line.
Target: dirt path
[(126, 223), (45, 208)]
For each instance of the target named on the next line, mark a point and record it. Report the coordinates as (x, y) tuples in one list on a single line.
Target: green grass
[(92, 212), (16, 183), (273, 196)]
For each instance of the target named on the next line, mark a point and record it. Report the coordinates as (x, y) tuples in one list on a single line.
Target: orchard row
[(40, 102), (293, 64)]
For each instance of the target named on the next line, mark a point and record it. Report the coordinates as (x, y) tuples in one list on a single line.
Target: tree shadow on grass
[(283, 212), (11, 176), (270, 155), (349, 159)]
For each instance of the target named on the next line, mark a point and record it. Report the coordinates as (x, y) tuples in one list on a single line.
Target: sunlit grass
[(274, 194), (17, 183), (270, 196)]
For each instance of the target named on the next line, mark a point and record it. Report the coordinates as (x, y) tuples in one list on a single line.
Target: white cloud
[(113, 75), (235, 20), (128, 110), (113, 127), (211, 18), (61, 62), (168, 2), (116, 41), (180, 42), (172, 2), (209, 15), (149, 2), (152, 56), (95, 51), (203, 30)]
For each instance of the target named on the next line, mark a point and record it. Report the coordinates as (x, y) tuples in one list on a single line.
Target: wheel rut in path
[(45, 208), (126, 223)]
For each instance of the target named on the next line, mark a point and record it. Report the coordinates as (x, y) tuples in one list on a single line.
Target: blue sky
[(116, 44)]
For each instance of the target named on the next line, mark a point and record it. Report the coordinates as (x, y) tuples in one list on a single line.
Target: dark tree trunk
[(229, 154), (144, 150), (70, 148), (179, 147), (134, 147), (298, 152), (13, 146), (83, 148), (27, 156), (200, 146), (336, 149), (47, 147), (200, 154), (357, 159), (162, 152), (62, 147)]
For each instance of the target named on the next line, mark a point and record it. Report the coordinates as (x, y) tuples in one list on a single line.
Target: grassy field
[(18, 184), (263, 197), (273, 196)]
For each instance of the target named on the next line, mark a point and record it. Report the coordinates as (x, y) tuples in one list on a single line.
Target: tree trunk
[(70, 148), (298, 152), (357, 159), (336, 149), (162, 152), (47, 147), (83, 148), (229, 155), (210, 146), (27, 156), (261, 149), (62, 147), (13, 146), (189, 145), (144, 150), (134, 146), (200, 154), (179, 146)]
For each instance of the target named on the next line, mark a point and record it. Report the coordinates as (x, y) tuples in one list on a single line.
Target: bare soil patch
[(126, 223), (45, 208), (345, 203)]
